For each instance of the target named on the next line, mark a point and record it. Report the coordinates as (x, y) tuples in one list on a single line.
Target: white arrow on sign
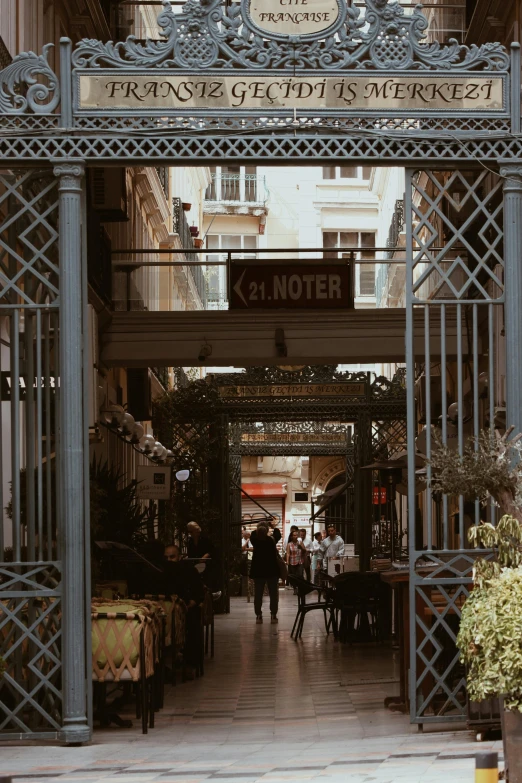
[(237, 288)]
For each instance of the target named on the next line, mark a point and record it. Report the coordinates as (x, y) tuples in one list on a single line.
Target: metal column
[(75, 725), (513, 286)]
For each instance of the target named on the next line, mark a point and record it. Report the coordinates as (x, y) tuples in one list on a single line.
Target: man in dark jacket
[(264, 570)]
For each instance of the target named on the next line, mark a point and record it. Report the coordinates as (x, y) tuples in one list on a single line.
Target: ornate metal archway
[(53, 128)]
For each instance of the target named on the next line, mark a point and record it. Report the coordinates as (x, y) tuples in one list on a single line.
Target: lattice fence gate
[(455, 279)]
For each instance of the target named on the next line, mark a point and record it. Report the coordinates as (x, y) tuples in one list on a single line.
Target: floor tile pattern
[(268, 709)]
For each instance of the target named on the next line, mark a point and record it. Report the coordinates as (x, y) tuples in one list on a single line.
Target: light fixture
[(157, 449), (112, 415), (137, 433), (182, 475), (127, 423), (147, 443), (205, 351)]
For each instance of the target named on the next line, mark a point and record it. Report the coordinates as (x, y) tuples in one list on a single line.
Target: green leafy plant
[(3, 667), (116, 514), (490, 638), (490, 634), (487, 467)]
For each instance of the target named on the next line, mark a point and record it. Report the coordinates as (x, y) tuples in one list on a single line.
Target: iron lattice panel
[(29, 273), (174, 149), (440, 677), (30, 644), (389, 438), (459, 244), (438, 596)]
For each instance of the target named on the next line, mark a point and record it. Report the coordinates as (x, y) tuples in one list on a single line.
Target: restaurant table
[(399, 579)]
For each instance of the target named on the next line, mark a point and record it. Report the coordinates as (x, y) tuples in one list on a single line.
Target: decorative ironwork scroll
[(21, 88), (208, 35)]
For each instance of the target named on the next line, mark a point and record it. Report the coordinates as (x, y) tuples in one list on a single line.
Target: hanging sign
[(293, 437), (295, 390), (162, 91), (294, 17), (153, 482), (271, 287), (379, 498)]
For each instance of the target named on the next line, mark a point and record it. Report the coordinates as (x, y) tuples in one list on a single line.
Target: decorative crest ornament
[(20, 89), (208, 35)]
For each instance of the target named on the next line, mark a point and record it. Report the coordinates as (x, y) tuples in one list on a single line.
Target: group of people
[(303, 556), (306, 557)]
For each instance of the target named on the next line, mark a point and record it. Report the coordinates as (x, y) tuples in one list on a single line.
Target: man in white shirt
[(332, 546), (246, 544)]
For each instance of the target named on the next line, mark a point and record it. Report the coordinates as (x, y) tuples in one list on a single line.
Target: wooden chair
[(304, 588)]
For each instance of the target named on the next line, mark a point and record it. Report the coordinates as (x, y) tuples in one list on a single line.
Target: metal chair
[(304, 588)]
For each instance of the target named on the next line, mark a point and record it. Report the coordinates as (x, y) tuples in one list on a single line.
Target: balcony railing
[(182, 228), (163, 174), (236, 189), (396, 227), (392, 243)]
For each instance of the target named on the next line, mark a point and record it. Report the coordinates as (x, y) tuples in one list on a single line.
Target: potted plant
[(194, 230), (186, 207), (199, 243), (490, 635)]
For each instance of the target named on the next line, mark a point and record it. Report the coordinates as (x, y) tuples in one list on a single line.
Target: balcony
[(181, 227), (235, 194), (391, 278)]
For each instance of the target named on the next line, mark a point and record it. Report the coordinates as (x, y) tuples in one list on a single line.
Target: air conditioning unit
[(108, 193)]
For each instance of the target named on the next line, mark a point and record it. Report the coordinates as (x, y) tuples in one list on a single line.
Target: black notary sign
[(296, 286)]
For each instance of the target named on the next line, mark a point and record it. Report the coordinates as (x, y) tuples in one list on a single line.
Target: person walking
[(307, 543), (264, 569), (295, 555), (331, 546), (316, 545)]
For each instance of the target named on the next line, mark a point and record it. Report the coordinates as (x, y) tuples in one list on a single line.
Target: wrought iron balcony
[(396, 227), (235, 189), (181, 227)]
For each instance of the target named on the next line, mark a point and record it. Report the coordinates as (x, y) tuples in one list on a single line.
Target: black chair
[(356, 601), (304, 588)]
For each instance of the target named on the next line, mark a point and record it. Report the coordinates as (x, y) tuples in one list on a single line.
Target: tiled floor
[(268, 710)]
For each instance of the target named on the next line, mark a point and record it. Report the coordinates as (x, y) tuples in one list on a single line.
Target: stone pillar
[(513, 290), (71, 453)]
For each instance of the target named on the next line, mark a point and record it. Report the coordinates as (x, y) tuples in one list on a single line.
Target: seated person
[(182, 579)]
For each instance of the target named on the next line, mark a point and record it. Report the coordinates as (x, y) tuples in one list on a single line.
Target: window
[(347, 172), (359, 241), (243, 246), (233, 183)]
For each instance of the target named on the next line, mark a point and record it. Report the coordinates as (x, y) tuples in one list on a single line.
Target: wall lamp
[(116, 419)]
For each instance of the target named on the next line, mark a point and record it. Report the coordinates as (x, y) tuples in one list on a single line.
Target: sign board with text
[(297, 286), (295, 390), (294, 17), (153, 482), (164, 91)]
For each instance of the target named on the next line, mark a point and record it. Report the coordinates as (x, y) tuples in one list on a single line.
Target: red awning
[(265, 490)]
